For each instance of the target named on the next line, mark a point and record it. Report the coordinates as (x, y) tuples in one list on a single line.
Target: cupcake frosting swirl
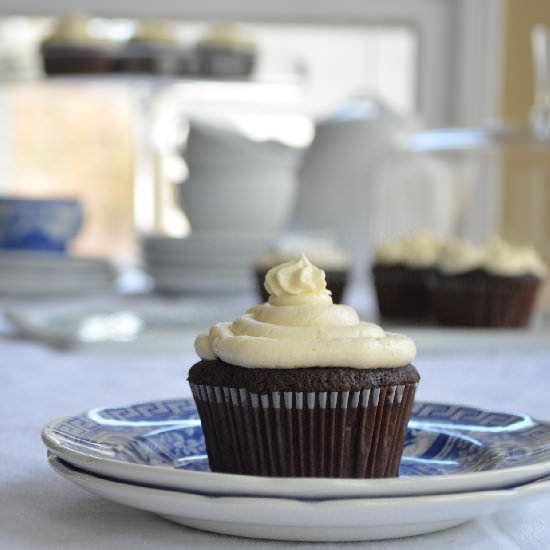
[(300, 327), (419, 250), (460, 256), (495, 256), (503, 258), (300, 278)]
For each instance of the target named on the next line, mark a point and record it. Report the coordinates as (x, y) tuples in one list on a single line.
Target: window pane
[(342, 61)]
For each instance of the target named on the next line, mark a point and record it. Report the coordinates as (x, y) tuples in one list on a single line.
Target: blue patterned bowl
[(39, 224)]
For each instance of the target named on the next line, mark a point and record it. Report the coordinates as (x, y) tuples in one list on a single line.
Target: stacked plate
[(202, 262), (459, 463), (43, 274)]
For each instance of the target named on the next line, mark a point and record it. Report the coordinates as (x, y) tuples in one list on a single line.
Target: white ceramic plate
[(208, 244), (50, 277), (39, 288), (305, 520), (42, 260), (449, 448), (214, 274), (188, 283), (195, 258), (41, 274)]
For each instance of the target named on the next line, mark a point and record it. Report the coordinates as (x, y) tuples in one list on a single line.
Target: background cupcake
[(226, 51), (73, 48), (154, 49), (332, 259), (300, 386), (401, 273), (489, 285)]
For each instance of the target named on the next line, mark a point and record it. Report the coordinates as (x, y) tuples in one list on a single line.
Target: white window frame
[(459, 40)]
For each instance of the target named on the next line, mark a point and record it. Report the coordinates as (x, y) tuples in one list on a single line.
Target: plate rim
[(527, 490), (239, 484)]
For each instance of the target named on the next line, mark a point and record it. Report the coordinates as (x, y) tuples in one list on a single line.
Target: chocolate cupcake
[(72, 49), (155, 49), (401, 274), (226, 51), (492, 285), (333, 260), (301, 387)]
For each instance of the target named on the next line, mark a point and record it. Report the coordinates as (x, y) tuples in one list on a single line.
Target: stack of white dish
[(238, 184), (238, 197), (202, 262), (42, 274), (459, 463)]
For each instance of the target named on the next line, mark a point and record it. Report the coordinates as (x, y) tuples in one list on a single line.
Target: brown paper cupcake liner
[(402, 293), (483, 300), (353, 434)]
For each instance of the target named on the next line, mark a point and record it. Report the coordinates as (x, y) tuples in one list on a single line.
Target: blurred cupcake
[(332, 259), (154, 49), (489, 285), (226, 51), (301, 387), (72, 48), (401, 274)]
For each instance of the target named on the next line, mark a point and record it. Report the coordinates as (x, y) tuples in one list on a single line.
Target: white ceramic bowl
[(237, 185), (238, 198)]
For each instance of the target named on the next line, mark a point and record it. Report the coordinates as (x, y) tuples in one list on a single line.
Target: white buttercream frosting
[(300, 327), (494, 256), (229, 35), (458, 256), (296, 278), (419, 250), (156, 31), (75, 29), (503, 258)]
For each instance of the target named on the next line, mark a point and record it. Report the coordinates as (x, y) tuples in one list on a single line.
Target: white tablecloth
[(40, 510)]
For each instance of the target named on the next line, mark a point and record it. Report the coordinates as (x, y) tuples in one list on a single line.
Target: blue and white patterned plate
[(449, 448)]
